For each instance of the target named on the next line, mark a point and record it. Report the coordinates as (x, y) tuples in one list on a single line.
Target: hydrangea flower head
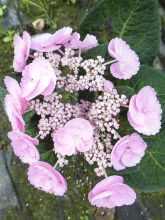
[(128, 151), (50, 42), (145, 111), (21, 51), (111, 192), (44, 177), (89, 42), (24, 147), (38, 78), (77, 134), (127, 61)]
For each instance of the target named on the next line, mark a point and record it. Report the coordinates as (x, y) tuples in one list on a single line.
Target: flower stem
[(126, 106), (37, 135), (110, 62), (60, 51), (56, 164), (105, 173), (79, 52)]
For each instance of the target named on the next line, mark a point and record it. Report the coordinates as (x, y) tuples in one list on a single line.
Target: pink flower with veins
[(15, 105), (145, 111), (127, 61), (88, 43), (24, 147), (76, 135), (38, 78), (111, 192), (50, 42), (128, 151), (44, 177), (21, 51)]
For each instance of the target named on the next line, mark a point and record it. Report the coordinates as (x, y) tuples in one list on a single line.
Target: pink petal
[(44, 177)]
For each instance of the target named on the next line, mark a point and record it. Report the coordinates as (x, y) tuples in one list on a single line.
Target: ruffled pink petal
[(14, 113), (127, 60), (21, 51), (44, 177), (115, 70), (74, 41), (23, 147), (62, 36), (111, 195), (38, 78), (128, 151), (145, 111), (88, 43), (64, 142), (104, 184), (122, 195), (51, 42), (139, 116)]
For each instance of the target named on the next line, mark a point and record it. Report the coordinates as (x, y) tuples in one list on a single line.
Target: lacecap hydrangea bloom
[(56, 85)]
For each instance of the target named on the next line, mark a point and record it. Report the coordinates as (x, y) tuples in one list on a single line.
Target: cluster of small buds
[(73, 62), (104, 111), (61, 160), (93, 79), (54, 114), (54, 59), (100, 153), (94, 67)]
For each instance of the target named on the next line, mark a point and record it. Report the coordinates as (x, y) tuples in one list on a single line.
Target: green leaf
[(126, 90), (136, 21), (149, 175), (101, 50), (1, 12), (49, 157)]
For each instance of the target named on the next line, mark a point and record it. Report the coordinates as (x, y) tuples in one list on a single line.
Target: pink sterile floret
[(44, 177), (15, 104), (21, 51), (111, 192), (145, 111), (88, 43), (127, 61), (24, 146), (50, 42), (128, 151), (76, 135), (38, 78)]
